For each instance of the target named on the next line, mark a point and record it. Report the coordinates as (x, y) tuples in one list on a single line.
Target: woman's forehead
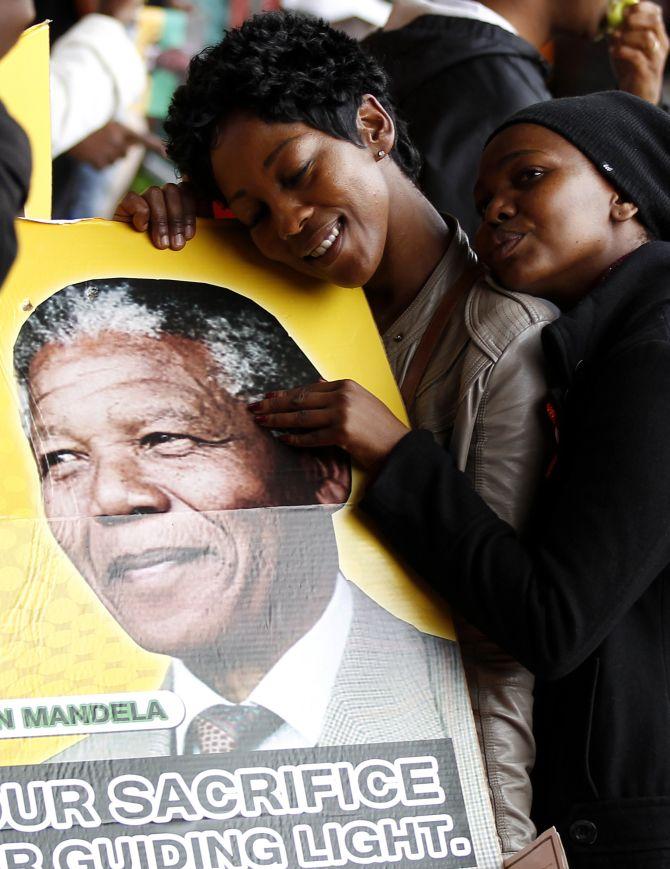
[(255, 133), (520, 140), (247, 143), (525, 136)]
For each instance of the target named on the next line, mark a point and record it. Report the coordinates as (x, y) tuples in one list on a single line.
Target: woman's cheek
[(269, 244)]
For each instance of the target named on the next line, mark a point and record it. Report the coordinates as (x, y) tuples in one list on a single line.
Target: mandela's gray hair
[(252, 352)]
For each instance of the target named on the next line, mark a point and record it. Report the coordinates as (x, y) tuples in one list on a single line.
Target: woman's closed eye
[(289, 181), (293, 180), (257, 218)]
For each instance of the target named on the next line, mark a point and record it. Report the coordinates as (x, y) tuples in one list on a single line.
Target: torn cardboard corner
[(546, 852)]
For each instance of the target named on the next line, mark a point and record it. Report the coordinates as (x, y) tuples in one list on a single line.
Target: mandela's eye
[(165, 443), (168, 443), (162, 437), (55, 460)]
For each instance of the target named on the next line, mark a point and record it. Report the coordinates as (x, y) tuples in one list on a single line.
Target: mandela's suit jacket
[(394, 683)]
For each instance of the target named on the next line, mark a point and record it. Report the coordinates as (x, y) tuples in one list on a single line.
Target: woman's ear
[(621, 210), (376, 129)]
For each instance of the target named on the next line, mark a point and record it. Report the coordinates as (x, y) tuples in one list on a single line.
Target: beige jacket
[(482, 395), (499, 441)]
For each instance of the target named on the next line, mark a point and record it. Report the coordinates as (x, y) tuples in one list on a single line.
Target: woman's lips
[(331, 254), (505, 243)]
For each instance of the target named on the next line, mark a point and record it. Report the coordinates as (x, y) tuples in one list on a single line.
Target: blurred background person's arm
[(96, 72)]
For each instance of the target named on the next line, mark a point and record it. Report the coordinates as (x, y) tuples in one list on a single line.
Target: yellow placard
[(57, 638), (192, 609)]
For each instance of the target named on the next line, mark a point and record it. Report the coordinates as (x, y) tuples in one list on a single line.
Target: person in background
[(15, 161), (575, 207), (458, 68), (357, 18), (96, 73), (97, 78)]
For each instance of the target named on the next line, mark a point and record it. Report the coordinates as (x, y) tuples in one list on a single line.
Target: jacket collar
[(638, 283), (403, 12)]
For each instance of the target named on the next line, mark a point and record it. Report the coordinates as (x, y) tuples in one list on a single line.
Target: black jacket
[(15, 164), (454, 81), (585, 602)]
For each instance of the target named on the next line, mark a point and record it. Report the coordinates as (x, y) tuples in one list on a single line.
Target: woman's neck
[(416, 241), (531, 19), (570, 293)]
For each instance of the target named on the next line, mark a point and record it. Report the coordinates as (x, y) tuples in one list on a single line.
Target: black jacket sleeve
[(600, 540), (15, 164)]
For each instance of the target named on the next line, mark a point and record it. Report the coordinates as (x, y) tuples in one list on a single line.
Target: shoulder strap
[(430, 338)]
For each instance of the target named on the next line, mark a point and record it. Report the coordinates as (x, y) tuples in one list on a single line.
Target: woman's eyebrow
[(272, 156)]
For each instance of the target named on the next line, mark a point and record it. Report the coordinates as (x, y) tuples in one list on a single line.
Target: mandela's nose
[(121, 489)]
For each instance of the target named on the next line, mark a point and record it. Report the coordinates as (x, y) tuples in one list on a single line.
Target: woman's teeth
[(326, 243)]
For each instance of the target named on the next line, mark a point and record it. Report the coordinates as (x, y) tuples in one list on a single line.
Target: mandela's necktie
[(230, 728)]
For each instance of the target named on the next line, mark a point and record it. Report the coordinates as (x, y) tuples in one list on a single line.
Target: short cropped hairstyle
[(280, 67), (251, 352)]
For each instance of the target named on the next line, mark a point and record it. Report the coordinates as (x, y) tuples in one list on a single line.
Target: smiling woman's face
[(313, 202), (549, 219)]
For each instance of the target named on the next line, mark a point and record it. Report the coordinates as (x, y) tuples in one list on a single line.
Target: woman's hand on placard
[(167, 213), (333, 413)]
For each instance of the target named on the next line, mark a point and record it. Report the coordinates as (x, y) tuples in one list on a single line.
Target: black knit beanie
[(626, 138)]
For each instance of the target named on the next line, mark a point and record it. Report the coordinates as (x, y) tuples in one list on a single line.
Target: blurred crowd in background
[(116, 64)]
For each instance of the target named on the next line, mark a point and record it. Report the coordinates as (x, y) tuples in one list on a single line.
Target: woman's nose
[(291, 219), (121, 488), (500, 208)]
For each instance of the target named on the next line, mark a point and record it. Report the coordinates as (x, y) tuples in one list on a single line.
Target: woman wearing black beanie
[(575, 203)]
